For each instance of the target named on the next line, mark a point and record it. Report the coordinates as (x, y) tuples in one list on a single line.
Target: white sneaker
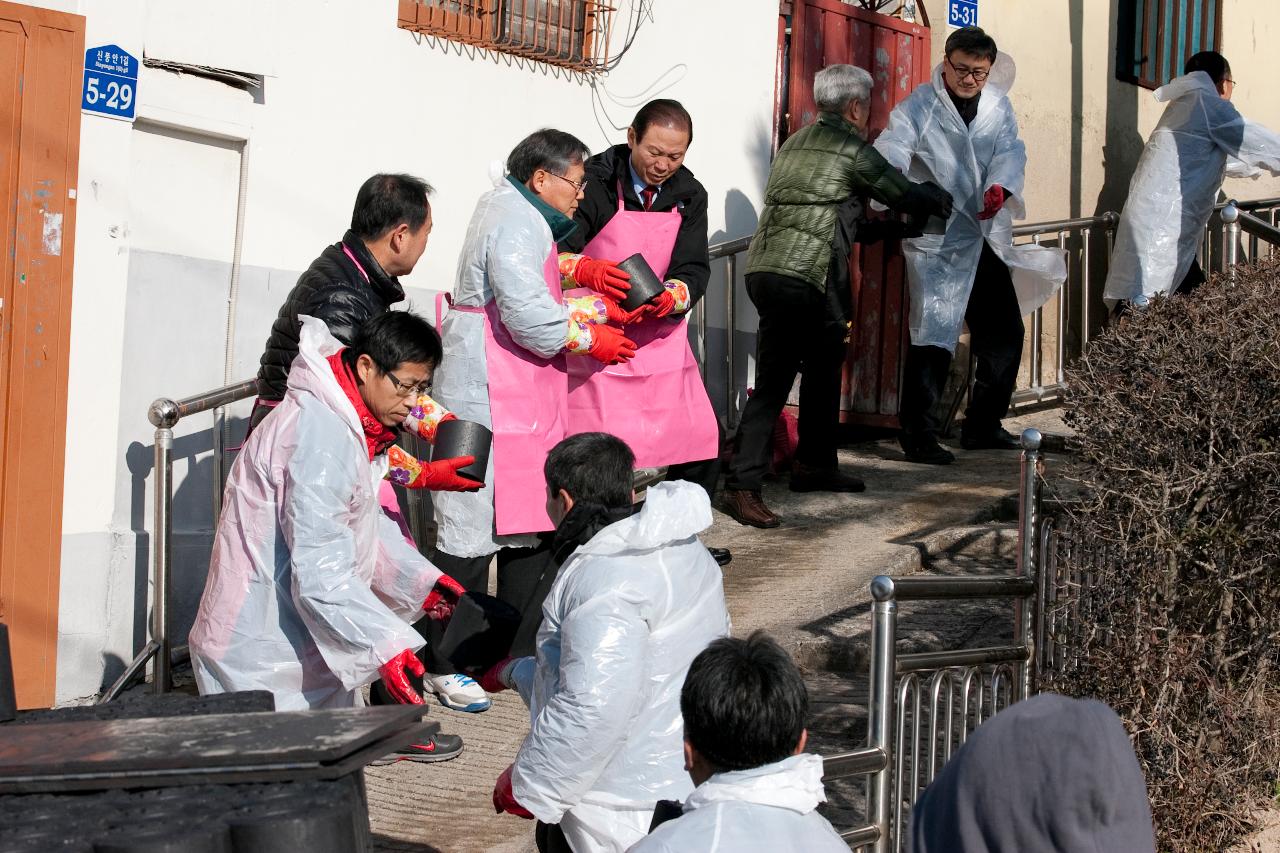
[(459, 692)]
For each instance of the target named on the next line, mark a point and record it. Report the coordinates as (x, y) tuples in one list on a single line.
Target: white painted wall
[(346, 94)]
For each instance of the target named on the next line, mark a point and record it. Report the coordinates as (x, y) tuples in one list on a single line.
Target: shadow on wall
[(740, 217)]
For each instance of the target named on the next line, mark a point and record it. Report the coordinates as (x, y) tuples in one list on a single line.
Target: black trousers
[(800, 332), (995, 338), (704, 472)]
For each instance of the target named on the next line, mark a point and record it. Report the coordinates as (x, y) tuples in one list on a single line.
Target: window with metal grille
[(570, 33), (1156, 37)]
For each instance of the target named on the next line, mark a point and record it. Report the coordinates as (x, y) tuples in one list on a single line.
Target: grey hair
[(836, 85), (550, 149)]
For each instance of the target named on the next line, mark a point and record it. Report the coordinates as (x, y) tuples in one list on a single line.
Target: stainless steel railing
[(727, 251), (165, 414)]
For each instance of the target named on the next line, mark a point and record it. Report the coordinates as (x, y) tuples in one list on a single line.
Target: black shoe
[(721, 556), (927, 451), (997, 439), (438, 747), (805, 478)]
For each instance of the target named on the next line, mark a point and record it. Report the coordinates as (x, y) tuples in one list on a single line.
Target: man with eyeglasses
[(959, 131), (1200, 139), (311, 587)]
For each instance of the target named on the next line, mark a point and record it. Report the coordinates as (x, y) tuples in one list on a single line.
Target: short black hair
[(593, 467), (1210, 62), (744, 703), (550, 149), (973, 40), (386, 201), (393, 338), (664, 112)]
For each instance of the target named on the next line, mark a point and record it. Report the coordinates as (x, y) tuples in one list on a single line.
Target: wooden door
[(827, 32), (41, 69)]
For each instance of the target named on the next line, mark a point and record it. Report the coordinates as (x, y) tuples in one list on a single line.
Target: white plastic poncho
[(628, 613), (927, 140), (772, 807), (311, 586), (502, 258), (1200, 139)]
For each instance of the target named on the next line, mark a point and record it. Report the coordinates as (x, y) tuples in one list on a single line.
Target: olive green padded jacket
[(816, 170)]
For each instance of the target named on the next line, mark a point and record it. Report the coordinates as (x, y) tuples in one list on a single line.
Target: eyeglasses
[(404, 389), (978, 74), (577, 185)]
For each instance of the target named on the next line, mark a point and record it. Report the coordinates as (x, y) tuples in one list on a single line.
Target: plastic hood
[(672, 512), (1179, 86), (794, 783), (312, 374), (1003, 72)]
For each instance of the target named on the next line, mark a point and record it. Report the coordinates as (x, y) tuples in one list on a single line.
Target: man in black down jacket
[(352, 280)]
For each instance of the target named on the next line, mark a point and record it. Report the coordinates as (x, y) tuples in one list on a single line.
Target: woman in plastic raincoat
[(627, 614), (1200, 139), (312, 587), (965, 272)]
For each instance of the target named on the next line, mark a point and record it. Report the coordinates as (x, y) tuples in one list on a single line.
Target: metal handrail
[(729, 251), (164, 414)]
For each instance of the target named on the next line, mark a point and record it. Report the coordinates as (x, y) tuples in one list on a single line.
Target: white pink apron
[(655, 402), (528, 406)]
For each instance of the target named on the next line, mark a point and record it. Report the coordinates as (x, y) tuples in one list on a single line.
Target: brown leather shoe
[(747, 507)]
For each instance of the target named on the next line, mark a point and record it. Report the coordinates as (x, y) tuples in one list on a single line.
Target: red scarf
[(377, 436)]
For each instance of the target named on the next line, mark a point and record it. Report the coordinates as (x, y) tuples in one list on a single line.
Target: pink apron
[(655, 402), (528, 408)]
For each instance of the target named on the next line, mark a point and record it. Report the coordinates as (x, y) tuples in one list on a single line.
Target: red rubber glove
[(603, 277), (504, 800), (442, 476), (992, 201), (618, 315), (442, 598), (662, 305), (492, 681), (608, 346), (397, 682)]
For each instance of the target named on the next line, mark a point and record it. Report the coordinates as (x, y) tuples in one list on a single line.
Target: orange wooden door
[(825, 32), (41, 65)]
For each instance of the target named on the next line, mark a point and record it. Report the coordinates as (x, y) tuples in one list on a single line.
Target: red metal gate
[(825, 32)]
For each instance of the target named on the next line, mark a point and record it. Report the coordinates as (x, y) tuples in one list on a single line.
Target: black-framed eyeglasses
[(978, 74), (577, 185), (404, 389)]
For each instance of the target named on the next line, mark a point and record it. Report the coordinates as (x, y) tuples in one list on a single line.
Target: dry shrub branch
[(1177, 410)]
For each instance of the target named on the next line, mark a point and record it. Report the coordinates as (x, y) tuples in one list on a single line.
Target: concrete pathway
[(805, 582)]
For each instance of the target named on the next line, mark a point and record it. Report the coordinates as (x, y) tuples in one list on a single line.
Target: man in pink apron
[(640, 197), (509, 335)]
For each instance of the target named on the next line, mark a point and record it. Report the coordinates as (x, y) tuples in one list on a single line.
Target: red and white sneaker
[(438, 747)]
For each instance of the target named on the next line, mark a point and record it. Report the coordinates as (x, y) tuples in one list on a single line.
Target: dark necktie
[(646, 196)]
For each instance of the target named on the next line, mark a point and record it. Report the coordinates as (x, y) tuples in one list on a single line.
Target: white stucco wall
[(346, 94)]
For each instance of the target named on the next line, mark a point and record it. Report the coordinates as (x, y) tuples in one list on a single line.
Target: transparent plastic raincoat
[(772, 807), (1200, 139), (928, 141), (311, 586), (628, 613), (502, 258)]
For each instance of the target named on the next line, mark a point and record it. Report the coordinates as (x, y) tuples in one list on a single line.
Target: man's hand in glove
[(504, 800), (615, 313), (494, 679), (609, 346), (992, 200), (442, 598), (603, 277), (395, 679), (442, 476), (661, 306)]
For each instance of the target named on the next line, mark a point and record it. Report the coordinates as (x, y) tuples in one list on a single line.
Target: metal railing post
[(884, 621), (1230, 235), (164, 414), (730, 347), (1028, 526)]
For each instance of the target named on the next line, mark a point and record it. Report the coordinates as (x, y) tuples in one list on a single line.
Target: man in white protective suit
[(1200, 139), (959, 131), (744, 705), (637, 598), (312, 588)]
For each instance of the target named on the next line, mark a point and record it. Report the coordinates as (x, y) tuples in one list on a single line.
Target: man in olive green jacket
[(798, 279)]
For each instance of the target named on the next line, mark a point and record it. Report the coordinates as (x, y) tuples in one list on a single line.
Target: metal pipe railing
[(165, 414), (728, 251)]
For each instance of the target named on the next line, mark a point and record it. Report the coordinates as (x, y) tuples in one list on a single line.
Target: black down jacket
[(333, 290)]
